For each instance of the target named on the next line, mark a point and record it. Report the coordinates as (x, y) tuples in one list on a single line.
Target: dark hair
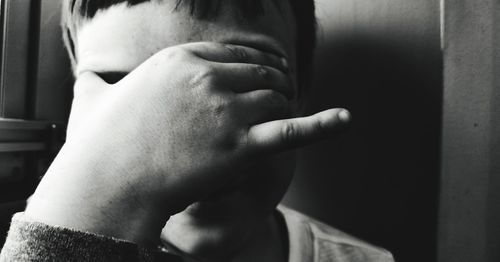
[(75, 11)]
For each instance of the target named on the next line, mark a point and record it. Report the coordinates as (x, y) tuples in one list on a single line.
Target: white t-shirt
[(313, 241)]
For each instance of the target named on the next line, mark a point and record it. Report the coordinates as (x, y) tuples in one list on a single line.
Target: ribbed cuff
[(34, 241)]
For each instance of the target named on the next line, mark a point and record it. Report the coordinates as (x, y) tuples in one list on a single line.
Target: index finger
[(230, 53), (286, 134)]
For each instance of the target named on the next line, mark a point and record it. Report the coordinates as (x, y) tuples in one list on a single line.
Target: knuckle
[(205, 76), (262, 72), (319, 128), (220, 107), (238, 53), (289, 132), (174, 53)]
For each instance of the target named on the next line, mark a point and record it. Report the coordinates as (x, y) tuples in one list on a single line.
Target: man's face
[(120, 38)]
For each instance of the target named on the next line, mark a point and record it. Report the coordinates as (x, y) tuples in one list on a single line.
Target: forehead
[(122, 37)]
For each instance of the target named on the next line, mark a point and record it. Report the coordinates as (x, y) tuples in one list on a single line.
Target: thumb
[(282, 135)]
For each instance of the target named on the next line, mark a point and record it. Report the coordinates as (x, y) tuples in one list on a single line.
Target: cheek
[(275, 177), (284, 168)]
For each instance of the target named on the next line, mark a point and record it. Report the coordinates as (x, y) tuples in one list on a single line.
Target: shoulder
[(321, 242)]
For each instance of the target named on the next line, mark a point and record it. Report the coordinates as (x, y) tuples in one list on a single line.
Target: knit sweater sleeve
[(33, 241)]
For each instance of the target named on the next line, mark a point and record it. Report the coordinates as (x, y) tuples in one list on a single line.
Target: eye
[(112, 77)]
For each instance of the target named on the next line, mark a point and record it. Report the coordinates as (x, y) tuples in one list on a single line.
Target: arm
[(34, 241), (168, 134)]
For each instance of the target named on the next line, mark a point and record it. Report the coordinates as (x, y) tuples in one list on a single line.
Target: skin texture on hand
[(167, 135)]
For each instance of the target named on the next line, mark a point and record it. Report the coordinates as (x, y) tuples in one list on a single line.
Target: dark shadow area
[(7, 210), (379, 180)]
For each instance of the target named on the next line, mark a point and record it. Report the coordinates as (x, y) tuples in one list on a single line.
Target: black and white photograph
[(250, 130)]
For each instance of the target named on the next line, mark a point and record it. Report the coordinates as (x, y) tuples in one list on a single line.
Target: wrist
[(86, 198)]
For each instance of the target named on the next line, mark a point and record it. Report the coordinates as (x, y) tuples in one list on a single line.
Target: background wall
[(378, 181), (470, 196)]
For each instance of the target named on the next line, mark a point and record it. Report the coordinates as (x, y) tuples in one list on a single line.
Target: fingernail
[(284, 63), (344, 115)]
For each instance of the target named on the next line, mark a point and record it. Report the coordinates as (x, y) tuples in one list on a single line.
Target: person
[(178, 143)]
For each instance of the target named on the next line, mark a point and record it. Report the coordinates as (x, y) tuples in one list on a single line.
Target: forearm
[(29, 240), (73, 194)]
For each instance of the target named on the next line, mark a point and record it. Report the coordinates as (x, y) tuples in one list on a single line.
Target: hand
[(168, 134)]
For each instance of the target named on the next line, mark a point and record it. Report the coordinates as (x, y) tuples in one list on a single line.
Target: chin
[(229, 218), (218, 228), (219, 217), (201, 231)]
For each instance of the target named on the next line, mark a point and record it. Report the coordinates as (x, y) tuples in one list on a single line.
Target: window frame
[(27, 146), (17, 40)]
